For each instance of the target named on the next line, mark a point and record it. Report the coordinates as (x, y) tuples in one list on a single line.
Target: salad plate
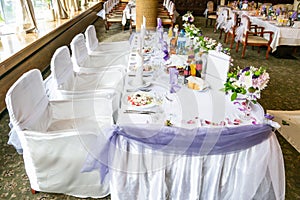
[(141, 100)]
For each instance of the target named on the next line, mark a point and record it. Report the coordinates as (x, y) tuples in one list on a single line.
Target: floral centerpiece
[(246, 85), (188, 17), (206, 43), (248, 82), (192, 31)]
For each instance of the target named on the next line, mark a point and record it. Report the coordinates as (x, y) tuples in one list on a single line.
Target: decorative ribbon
[(175, 140), (174, 80)]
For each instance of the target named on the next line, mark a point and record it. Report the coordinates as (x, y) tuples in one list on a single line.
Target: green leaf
[(233, 96), (251, 89), (257, 73), (285, 123)]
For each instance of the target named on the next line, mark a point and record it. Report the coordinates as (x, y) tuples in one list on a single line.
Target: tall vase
[(245, 108)]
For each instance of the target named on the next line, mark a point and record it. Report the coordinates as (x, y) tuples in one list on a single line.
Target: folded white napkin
[(138, 80), (196, 83)]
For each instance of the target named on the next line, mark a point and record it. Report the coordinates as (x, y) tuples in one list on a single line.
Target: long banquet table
[(207, 153)]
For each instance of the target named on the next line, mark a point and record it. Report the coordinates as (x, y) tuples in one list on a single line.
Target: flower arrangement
[(192, 31), (188, 17), (206, 43), (249, 82)]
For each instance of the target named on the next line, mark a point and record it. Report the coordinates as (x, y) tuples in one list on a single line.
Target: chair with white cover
[(56, 136), (254, 38), (81, 59), (111, 15), (231, 29), (223, 19), (95, 47), (67, 84)]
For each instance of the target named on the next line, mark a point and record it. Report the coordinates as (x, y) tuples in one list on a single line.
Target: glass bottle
[(199, 64), (186, 73)]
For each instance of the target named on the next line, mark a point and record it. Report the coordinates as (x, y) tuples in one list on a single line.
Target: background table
[(283, 35)]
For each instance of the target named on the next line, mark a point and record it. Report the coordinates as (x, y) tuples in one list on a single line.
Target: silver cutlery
[(144, 75), (140, 111)]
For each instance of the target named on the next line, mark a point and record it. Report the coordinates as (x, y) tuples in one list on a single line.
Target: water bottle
[(181, 43)]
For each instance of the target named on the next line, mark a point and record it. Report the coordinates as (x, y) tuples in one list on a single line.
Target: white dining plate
[(140, 100), (144, 84)]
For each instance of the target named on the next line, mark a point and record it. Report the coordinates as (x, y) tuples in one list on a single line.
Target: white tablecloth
[(283, 35), (138, 171)]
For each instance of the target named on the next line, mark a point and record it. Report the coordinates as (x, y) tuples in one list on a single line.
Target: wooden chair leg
[(225, 37), (294, 50), (267, 54), (232, 40), (215, 27), (244, 50), (221, 31), (106, 25), (34, 191), (258, 50), (237, 46)]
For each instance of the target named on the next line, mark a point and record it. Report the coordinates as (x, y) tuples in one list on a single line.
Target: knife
[(139, 111)]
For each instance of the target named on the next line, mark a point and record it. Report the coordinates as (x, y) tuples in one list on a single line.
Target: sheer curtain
[(27, 17), (60, 9)]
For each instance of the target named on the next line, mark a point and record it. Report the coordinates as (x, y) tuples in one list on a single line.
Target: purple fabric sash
[(174, 140), (174, 80)]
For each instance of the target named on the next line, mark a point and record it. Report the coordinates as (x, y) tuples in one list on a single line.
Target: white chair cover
[(67, 84), (241, 29), (56, 136), (232, 22), (222, 17), (94, 47), (81, 58)]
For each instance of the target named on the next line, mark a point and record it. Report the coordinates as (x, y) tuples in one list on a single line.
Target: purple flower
[(245, 69), (254, 76), (294, 15), (166, 57), (268, 116), (278, 11)]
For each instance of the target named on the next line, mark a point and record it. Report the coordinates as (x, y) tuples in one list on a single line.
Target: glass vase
[(245, 109)]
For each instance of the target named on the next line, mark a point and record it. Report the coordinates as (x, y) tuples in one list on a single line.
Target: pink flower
[(261, 81)]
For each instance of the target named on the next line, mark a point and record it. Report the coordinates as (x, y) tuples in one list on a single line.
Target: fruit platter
[(141, 99)]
